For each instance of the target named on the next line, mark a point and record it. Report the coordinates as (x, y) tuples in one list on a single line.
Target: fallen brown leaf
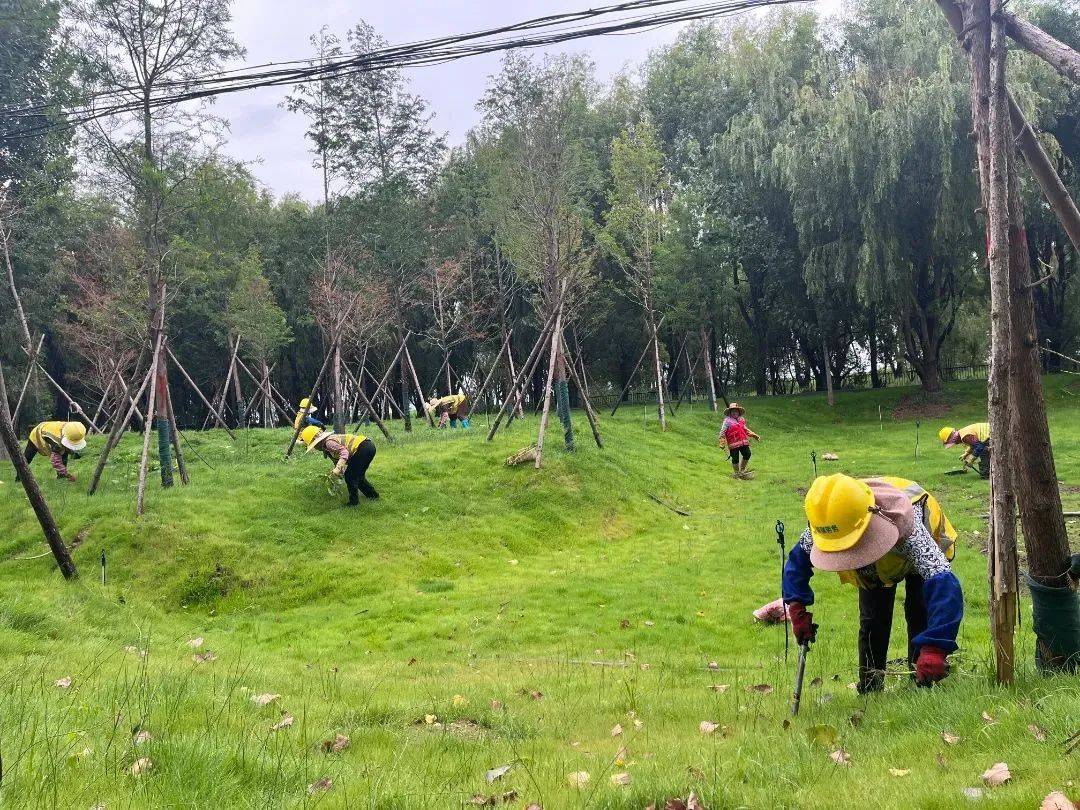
[(996, 775), (286, 721), (620, 779), (616, 730), (336, 745), (988, 718), (142, 737), (509, 796), (496, 705), (141, 766), (497, 773), (762, 688), (195, 643), (856, 718), (63, 683), (720, 687), (950, 738), (205, 657), (264, 699), (973, 793), (323, 785), (1036, 732), (840, 757), (816, 682), (1057, 801), (899, 771), (707, 726), (481, 800)]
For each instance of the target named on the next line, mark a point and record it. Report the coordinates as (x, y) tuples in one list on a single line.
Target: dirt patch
[(1071, 489), (910, 408)]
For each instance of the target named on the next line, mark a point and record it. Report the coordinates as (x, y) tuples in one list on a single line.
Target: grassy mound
[(560, 622)]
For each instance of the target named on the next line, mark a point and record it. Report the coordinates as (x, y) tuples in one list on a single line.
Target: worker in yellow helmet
[(976, 439), (877, 533), (58, 441), (450, 409), (353, 453), (304, 415)]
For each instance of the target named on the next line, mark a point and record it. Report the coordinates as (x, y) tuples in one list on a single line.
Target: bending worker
[(877, 533), (304, 415), (58, 441), (353, 453), (976, 439), (453, 408)]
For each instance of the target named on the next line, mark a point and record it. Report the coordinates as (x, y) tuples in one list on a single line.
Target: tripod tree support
[(494, 365), (29, 376), (33, 491), (553, 356), (419, 390), (590, 414), (637, 365), (118, 428), (197, 390), (148, 425)]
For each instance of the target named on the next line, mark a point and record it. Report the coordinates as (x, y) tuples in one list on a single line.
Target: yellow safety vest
[(352, 441), (980, 430), (46, 437), (893, 568)]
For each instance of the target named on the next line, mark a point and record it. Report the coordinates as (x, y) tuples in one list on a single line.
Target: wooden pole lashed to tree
[(148, 425), (419, 390), (30, 366), (494, 365), (590, 414), (548, 394), (1034, 40), (33, 491), (118, 428)]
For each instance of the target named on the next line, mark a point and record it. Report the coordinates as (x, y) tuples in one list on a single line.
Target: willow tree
[(633, 230)]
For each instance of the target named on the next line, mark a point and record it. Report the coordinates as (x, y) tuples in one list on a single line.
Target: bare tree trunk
[(174, 435), (148, 425), (656, 367), (187, 378), (990, 108), (590, 414), (831, 397), (238, 395), (5, 242), (416, 382), (706, 356), (30, 367), (339, 402), (554, 358), (33, 491)]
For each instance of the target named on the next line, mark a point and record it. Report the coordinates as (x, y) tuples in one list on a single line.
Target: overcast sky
[(272, 139)]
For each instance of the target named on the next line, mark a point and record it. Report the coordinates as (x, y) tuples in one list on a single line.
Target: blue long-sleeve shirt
[(941, 588)]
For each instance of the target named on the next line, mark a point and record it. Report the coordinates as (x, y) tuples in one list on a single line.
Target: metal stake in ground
[(917, 425), (783, 559), (813, 459), (800, 672)]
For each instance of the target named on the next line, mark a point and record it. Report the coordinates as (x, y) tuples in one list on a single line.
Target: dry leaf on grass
[(141, 766), (638, 724), (997, 774), (1057, 801), (509, 796), (204, 657), (840, 757), (949, 738), (620, 779), (460, 700), (1036, 732), (481, 800), (988, 718), (63, 683), (497, 773), (536, 695), (856, 718), (336, 745), (899, 771), (720, 687), (195, 643), (284, 722), (496, 705), (264, 700), (616, 730), (430, 719), (713, 665), (974, 793), (142, 737), (578, 779), (533, 806), (816, 682), (321, 786), (761, 688), (707, 726)]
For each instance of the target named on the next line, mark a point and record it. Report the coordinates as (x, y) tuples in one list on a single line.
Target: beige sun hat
[(891, 518)]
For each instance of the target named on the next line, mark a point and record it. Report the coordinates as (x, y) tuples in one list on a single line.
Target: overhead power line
[(620, 18)]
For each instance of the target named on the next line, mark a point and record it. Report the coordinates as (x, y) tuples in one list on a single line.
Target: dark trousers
[(356, 472), (875, 626), (30, 452)]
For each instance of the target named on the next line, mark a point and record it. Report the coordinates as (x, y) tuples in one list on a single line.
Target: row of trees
[(786, 197)]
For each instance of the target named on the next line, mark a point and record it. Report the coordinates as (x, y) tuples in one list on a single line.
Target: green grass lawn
[(480, 615)]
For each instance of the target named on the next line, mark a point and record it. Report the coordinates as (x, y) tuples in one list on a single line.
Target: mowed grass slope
[(480, 615)]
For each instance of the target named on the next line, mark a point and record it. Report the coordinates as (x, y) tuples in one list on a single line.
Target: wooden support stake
[(367, 404), (117, 432), (419, 390), (187, 378), (29, 376), (689, 381), (637, 365), (148, 425), (30, 486), (590, 414), (174, 434), (524, 374), (553, 356), (1034, 40), (478, 399)]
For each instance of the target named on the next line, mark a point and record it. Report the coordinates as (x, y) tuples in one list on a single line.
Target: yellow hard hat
[(305, 403), (73, 436), (839, 510), (945, 434), (309, 434)]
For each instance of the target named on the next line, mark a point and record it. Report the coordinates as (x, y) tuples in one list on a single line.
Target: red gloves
[(930, 666), (802, 623)]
